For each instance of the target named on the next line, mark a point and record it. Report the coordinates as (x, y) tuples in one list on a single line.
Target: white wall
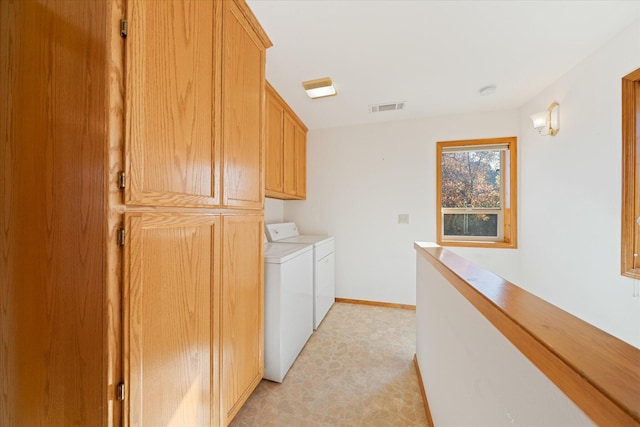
[(360, 178), (273, 210), (472, 374), (570, 194)]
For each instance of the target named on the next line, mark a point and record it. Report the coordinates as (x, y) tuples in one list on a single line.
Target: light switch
[(403, 219)]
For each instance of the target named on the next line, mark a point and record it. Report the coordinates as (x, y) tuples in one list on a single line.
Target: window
[(476, 194), (630, 264)]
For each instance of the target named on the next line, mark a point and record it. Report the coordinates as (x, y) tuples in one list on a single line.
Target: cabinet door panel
[(170, 309), (243, 57), (273, 167), (289, 155), (242, 310), (170, 150), (53, 129), (301, 163)]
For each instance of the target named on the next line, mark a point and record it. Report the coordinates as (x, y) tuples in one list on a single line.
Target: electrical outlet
[(403, 219)]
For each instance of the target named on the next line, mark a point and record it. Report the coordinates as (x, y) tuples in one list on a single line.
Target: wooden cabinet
[(243, 61), (301, 162), (274, 144), (289, 159), (286, 150), (242, 310), (53, 122), (171, 327), (172, 155), (132, 210), (197, 145), (194, 301)]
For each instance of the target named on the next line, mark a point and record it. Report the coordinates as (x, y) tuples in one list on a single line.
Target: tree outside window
[(476, 204)]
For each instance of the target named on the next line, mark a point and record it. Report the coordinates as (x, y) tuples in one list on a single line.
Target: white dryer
[(324, 273), (288, 305)]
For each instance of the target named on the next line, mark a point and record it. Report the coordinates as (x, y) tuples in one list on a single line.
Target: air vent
[(391, 106)]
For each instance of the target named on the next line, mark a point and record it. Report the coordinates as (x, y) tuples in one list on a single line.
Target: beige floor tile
[(356, 370)]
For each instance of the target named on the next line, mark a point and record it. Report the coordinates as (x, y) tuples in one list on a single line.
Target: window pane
[(476, 194), (471, 179), (479, 225)]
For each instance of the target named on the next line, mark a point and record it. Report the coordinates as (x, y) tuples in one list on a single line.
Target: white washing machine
[(324, 272), (288, 305)]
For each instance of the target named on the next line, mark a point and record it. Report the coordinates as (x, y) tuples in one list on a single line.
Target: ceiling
[(435, 55)]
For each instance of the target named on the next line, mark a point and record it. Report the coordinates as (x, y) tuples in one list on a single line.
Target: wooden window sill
[(477, 244)]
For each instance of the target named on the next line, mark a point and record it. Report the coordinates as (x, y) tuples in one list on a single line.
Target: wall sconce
[(546, 122), (319, 88)]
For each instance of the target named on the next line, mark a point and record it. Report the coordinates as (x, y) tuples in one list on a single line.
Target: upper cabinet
[(171, 154), (194, 104), (243, 62), (286, 150), (301, 162), (274, 144)]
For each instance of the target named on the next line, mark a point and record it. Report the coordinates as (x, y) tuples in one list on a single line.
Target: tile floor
[(356, 370)]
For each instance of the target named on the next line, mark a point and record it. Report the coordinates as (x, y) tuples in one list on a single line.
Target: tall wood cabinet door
[(301, 163), (171, 155), (273, 167), (289, 155), (242, 306), (243, 59), (170, 319), (53, 128)]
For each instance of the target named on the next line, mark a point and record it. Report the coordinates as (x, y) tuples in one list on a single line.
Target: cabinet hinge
[(121, 236), (120, 391), (122, 180), (123, 28)]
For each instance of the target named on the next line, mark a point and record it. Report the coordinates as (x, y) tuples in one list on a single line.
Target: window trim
[(630, 265), (510, 227)]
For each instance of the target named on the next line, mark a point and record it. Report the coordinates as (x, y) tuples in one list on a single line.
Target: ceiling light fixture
[(547, 122), (319, 88), (487, 90)]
